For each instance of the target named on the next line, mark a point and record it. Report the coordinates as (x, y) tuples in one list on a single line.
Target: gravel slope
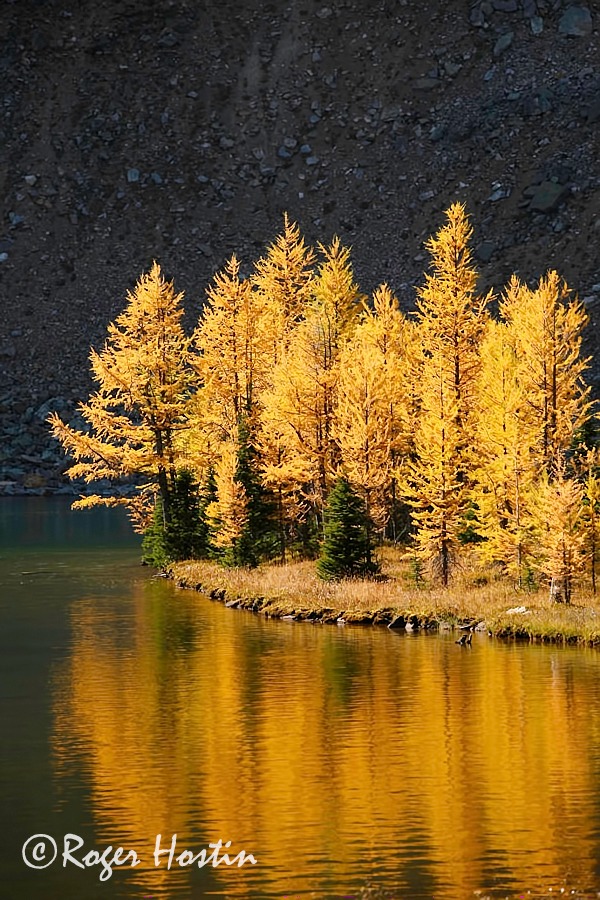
[(181, 131)]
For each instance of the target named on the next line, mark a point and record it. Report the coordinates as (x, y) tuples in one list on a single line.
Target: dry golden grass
[(545, 621), (475, 594)]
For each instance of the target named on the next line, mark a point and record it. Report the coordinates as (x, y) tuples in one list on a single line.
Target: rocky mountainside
[(180, 131)]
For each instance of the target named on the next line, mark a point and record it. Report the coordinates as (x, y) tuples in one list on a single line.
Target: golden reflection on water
[(335, 757)]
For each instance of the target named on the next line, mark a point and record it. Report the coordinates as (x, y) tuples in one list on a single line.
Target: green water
[(339, 758)]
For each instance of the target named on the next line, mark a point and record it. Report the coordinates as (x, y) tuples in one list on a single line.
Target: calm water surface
[(338, 757)]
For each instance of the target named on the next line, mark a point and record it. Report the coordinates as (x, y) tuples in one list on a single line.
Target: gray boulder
[(576, 21)]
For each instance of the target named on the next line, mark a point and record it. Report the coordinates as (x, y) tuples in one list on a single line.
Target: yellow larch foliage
[(231, 354), (283, 473), (362, 424), (297, 413), (452, 316), (144, 383), (375, 412), (590, 473), (229, 513), (336, 295), (224, 341), (547, 332), (396, 341), (457, 415), (283, 279), (557, 514), (298, 409), (233, 343), (434, 484), (451, 320), (503, 436)]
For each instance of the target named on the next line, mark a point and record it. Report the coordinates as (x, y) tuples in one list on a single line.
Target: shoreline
[(528, 618)]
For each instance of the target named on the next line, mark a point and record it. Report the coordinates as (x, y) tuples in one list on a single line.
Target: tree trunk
[(445, 560), (163, 480), (557, 590), (368, 527), (281, 525)]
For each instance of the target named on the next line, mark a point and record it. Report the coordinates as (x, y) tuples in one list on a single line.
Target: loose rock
[(576, 21), (547, 196), (503, 43)]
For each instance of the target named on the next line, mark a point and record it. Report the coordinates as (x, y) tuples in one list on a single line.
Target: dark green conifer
[(346, 551), (259, 539), (185, 536)]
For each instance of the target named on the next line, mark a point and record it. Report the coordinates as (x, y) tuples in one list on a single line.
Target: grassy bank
[(475, 598)]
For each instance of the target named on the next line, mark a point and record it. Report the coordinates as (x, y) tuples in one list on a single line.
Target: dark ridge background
[(181, 131)]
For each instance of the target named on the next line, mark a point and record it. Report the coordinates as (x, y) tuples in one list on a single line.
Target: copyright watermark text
[(41, 850)]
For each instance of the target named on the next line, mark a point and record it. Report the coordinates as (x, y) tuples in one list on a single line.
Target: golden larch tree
[(451, 319), (452, 316), (590, 469), (363, 425), (283, 279), (298, 409), (375, 407), (546, 329), (232, 351), (434, 483), (144, 383), (504, 443), (557, 510), (234, 342), (284, 473), (228, 514), (396, 346)]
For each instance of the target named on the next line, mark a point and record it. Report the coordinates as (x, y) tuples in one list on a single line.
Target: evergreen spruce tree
[(185, 535), (154, 552), (346, 550), (258, 539)]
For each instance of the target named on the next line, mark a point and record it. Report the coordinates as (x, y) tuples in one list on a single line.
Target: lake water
[(340, 758)]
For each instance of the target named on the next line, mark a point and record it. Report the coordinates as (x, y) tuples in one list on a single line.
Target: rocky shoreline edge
[(516, 623), (327, 615)]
